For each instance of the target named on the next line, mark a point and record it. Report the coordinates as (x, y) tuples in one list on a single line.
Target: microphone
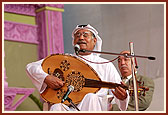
[(70, 89), (151, 58), (77, 48)]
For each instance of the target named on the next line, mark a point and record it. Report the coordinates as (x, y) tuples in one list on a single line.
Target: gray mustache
[(123, 66), (81, 42)]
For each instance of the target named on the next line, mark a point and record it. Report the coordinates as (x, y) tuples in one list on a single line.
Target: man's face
[(84, 38), (124, 64)]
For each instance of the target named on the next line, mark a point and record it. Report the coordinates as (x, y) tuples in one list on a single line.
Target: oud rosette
[(75, 79)]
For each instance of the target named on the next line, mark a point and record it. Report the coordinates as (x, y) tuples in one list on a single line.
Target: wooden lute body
[(75, 72)]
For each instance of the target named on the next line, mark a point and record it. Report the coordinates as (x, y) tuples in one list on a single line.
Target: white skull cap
[(94, 31)]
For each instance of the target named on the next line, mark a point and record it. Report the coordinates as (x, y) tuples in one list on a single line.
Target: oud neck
[(102, 84)]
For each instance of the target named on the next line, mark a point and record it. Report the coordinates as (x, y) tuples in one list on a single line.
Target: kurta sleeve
[(115, 77), (37, 75), (122, 104)]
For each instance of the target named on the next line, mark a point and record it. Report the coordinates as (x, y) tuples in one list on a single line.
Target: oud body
[(75, 72)]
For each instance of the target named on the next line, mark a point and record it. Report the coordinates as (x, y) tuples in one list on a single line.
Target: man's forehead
[(125, 52), (83, 30), (120, 57)]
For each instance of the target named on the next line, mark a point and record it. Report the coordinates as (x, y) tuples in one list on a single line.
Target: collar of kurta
[(126, 79)]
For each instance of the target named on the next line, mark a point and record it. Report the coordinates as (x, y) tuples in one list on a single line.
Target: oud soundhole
[(57, 73), (75, 79)]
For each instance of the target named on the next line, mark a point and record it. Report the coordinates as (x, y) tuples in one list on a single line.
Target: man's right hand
[(53, 82)]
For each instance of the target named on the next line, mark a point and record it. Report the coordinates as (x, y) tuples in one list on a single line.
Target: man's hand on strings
[(120, 92), (53, 82)]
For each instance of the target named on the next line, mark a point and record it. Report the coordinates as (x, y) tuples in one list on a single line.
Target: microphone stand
[(73, 105), (126, 55), (134, 77)]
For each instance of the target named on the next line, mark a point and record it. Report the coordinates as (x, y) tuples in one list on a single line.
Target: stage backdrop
[(119, 24)]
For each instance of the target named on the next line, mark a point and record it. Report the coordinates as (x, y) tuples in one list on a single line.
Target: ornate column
[(50, 29), (47, 34), (14, 96)]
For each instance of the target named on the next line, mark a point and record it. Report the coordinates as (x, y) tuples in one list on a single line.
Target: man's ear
[(95, 40)]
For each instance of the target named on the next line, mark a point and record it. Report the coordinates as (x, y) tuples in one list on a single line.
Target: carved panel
[(9, 96), (20, 32), (26, 9), (50, 5), (8, 100)]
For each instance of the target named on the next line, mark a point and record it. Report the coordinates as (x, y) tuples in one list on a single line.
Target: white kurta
[(91, 102)]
